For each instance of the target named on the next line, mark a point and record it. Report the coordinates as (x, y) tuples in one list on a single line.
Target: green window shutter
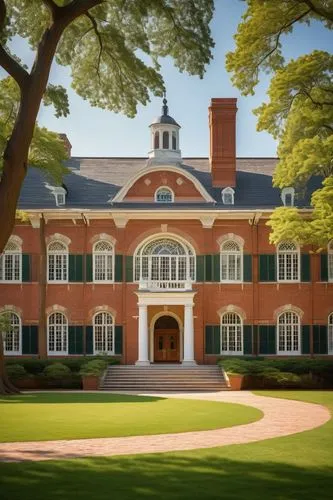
[(200, 265), (212, 339), (217, 339), (208, 267), (118, 268), (129, 268), (306, 339), (75, 340), (255, 335), (320, 339), (247, 339), (29, 339), (216, 268), (89, 340), (247, 268), (75, 268), (267, 267), (323, 267), (89, 274), (26, 276), (118, 341), (305, 267), (267, 336)]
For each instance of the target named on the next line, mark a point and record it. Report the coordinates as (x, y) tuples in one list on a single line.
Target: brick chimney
[(222, 126), (67, 144)]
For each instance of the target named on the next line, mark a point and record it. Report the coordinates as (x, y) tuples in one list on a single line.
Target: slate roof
[(93, 182)]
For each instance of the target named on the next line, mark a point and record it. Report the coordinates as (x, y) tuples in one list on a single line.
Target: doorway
[(166, 340)]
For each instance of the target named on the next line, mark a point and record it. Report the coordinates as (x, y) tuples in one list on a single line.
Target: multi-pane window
[(165, 264), (57, 334), (228, 196), (231, 261), (330, 261), (12, 338), (57, 259), (164, 195), (103, 262), (288, 261), (330, 334), (231, 334), (288, 336), (11, 263), (103, 333)]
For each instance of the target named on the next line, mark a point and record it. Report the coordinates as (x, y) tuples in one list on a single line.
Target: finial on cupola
[(165, 109)]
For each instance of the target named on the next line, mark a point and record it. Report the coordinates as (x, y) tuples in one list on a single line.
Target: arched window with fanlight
[(330, 260), (57, 332), (330, 333), (288, 259), (165, 263), (164, 195), (12, 338), (103, 262), (57, 262), (231, 334), (288, 333), (103, 325), (231, 261), (11, 262)]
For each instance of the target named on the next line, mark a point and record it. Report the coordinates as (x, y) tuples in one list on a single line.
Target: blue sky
[(95, 132)]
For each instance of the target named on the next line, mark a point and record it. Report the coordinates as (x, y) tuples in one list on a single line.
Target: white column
[(143, 336), (188, 336)]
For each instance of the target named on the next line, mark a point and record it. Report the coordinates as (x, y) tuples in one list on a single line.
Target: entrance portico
[(146, 334)]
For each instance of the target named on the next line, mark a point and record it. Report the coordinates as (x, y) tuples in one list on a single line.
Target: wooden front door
[(166, 346)]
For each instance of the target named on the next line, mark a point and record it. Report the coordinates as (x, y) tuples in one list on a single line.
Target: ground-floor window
[(12, 338), (330, 334), (57, 334), (231, 334), (103, 333), (288, 333)]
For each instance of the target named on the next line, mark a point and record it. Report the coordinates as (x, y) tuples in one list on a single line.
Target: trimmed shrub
[(37, 366), (57, 371), (16, 372), (93, 368)]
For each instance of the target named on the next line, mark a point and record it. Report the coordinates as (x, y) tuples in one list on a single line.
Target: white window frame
[(288, 191), (18, 351), (13, 253), (330, 261), (164, 188), (290, 326), (233, 321), (228, 254), (104, 326), (228, 191), (63, 333), (60, 195), (285, 254), (105, 254), (63, 254), (330, 334)]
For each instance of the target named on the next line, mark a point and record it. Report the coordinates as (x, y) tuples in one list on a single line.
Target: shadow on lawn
[(78, 397), (164, 477)]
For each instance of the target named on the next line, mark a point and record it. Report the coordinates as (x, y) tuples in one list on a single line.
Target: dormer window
[(164, 195), (288, 196), (228, 196)]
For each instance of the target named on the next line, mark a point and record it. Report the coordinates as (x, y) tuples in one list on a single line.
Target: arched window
[(103, 261), (288, 337), (12, 338), (330, 260), (165, 264), (174, 140), (103, 333), (165, 140), (57, 261), (11, 262), (228, 196), (231, 261), (156, 140), (57, 329), (231, 334), (288, 261), (330, 333), (164, 195)]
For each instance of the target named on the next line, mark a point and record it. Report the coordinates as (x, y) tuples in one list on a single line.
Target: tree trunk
[(6, 387)]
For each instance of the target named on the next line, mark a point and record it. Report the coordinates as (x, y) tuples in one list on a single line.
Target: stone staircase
[(163, 378)]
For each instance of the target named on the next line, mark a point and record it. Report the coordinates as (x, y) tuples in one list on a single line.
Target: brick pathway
[(281, 418)]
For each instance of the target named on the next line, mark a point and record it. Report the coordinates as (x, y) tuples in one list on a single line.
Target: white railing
[(161, 285)]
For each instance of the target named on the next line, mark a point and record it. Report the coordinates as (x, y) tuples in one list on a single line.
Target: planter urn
[(236, 381), (90, 383)]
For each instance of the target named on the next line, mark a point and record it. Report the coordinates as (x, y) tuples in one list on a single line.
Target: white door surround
[(146, 299), (152, 332)]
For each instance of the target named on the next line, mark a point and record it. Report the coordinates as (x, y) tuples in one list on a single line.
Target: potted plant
[(235, 380), (91, 373)]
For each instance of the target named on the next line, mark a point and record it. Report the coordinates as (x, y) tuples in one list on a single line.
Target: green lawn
[(289, 468), (39, 417)]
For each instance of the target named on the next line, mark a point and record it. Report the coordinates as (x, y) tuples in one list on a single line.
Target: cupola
[(165, 138)]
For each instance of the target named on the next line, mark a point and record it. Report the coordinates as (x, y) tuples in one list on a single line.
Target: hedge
[(37, 366)]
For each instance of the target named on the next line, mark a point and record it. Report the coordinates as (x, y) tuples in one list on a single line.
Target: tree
[(102, 41), (299, 112), (6, 387)]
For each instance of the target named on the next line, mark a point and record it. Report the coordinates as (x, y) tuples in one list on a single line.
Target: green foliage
[(57, 371), (36, 366), (93, 368), (16, 372)]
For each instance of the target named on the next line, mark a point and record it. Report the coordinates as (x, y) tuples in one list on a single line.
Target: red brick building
[(164, 258)]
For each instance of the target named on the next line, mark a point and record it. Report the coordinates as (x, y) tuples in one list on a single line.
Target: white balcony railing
[(162, 286)]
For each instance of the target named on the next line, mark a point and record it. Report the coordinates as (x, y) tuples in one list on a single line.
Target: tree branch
[(13, 68), (53, 8), (326, 14), (75, 9), (97, 33)]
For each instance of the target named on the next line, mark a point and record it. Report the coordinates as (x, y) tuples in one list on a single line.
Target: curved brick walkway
[(281, 418)]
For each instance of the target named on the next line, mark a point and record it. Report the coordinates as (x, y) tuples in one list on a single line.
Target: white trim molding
[(287, 308), (97, 309), (57, 308), (102, 236), (232, 309), (231, 236), (58, 237), (152, 332)]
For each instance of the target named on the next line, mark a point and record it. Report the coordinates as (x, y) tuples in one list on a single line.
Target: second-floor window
[(231, 262), (288, 261), (11, 263), (103, 261), (57, 262)]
